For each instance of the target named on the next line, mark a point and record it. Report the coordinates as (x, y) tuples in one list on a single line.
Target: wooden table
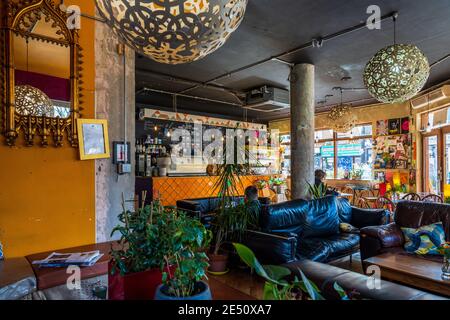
[(413, 271)]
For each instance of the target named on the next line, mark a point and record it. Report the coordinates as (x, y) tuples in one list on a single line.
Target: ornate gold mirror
[(41, 72)]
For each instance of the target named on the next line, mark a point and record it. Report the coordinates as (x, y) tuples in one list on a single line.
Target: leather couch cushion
[(321, 218), (324, 276), (414, 214), (322, 249), (344, 210), (284, 217), (315, 218)]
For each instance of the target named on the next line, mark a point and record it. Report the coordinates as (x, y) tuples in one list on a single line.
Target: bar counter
[(171, 189)]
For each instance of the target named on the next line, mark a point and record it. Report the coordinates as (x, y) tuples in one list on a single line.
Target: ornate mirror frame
[(15, 20)]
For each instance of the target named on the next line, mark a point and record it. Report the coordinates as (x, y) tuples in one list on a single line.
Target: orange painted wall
[(47, 196)]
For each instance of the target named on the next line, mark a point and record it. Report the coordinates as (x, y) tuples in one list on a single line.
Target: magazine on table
[(82, 259)]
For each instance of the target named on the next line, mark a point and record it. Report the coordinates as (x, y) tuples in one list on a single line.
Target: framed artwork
[(382, 128), (93, 139), (404, 124), (121, 152), (394, 126)]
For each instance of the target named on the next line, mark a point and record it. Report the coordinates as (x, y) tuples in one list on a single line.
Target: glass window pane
[(355, 159), (324, 134), (324, 158), (358, 131), (431, 164)]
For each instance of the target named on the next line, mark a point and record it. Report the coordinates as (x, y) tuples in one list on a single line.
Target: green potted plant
[(188, 244), (137, 259), (277, 183), (317, 191), (277, 287)]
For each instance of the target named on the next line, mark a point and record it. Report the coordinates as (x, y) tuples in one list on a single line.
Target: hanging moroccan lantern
[(396, 73), (173, 31)]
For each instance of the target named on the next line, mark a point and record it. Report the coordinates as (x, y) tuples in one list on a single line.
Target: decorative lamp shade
[(396, 73), (173, 31), (32, 101), (342, 118)]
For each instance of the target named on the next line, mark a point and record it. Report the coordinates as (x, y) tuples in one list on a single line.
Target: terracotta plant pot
[(134, 286), (217, 262)]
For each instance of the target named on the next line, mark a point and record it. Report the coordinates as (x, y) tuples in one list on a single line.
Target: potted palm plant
[(232, 218)]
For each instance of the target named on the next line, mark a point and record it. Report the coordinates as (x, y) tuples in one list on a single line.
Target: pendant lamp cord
[(27, 52), (394, 18)]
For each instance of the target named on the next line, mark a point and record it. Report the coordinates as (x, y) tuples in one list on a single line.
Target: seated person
[(253, 206), (319, 176)]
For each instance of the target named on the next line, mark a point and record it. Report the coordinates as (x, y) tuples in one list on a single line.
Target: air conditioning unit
[(267, 99), (432, 97)]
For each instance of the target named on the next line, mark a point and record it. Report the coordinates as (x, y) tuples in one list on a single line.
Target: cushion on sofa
[(424, 240), (322, 249), (344, 210), (321, 219)]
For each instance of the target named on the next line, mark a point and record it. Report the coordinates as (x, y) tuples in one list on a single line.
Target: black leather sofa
[(204, 208), (301, 229)]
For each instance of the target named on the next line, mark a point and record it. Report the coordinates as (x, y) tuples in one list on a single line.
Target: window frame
[(335, 140)]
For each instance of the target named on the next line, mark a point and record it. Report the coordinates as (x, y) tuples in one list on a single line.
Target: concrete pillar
[(302, 129), (109, 104)]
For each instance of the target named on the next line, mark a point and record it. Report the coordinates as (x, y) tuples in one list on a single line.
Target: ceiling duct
[(432, 97), (267, 99)]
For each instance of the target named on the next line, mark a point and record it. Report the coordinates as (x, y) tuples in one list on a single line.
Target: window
[(324, 157), (345, 155)]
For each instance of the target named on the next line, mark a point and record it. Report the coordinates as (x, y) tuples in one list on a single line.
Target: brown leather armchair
[(376, 240)]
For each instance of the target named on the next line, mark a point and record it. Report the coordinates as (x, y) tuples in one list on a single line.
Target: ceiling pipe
[(234, 93), (145, 89), (292, 51)]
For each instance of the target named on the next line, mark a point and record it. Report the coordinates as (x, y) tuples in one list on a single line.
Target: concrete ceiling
[(271, 27)]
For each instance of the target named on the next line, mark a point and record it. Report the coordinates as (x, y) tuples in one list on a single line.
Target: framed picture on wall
[(394, 126), (405, 125), (382, 128), (93, 139)]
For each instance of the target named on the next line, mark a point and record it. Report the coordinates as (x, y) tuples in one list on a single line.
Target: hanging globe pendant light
[(397, 72), (173, 31), (342, 119)]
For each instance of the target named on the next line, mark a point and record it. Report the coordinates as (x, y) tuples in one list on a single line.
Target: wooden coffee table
[(413, 271)]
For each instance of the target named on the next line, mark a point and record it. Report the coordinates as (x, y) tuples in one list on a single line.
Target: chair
[(363, 203), (433, 198), (412, 197), (385, 203)]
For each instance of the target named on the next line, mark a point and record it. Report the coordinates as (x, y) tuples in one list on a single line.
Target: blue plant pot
[(205, 293)]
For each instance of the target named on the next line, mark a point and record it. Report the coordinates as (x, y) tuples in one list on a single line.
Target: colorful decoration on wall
[(382, 128), (392, 152), (190, 118), (394, 126), (404, 125)]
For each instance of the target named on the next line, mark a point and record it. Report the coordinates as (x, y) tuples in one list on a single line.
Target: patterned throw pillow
[(424, 240)]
